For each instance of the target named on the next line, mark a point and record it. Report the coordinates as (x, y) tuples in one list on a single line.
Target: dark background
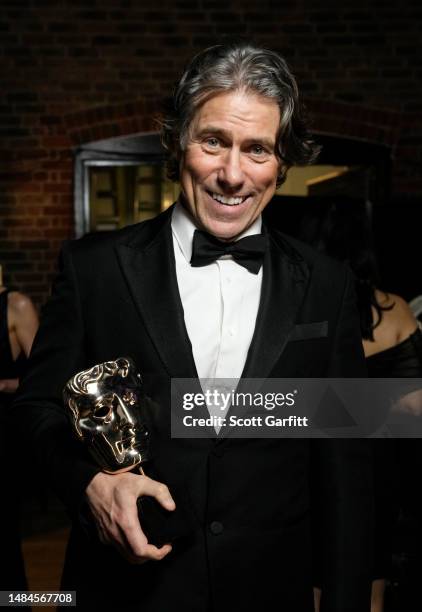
[(74, 71)]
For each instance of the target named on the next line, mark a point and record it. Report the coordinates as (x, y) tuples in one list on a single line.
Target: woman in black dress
[(392, 342), (18, 325)]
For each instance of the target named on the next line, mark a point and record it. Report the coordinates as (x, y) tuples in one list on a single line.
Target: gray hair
[(226, 68)]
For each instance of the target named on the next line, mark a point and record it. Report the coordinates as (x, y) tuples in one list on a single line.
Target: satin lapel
[(149, 267), (284, 284)]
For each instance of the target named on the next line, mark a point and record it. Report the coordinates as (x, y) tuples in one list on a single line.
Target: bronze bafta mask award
[(105, 405)]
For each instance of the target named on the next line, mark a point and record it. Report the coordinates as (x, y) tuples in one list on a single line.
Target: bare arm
[(23, 325), (9, 385), (23, 319), (377, 596)]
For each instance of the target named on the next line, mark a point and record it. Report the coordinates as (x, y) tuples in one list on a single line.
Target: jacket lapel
[(148, 265), (284, 283), (147, 262)]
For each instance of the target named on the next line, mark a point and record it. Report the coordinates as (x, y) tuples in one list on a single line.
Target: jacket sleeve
[(38, 413), (342, 485)]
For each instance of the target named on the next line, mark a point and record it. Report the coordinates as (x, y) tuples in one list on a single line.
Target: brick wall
[(74, 71)]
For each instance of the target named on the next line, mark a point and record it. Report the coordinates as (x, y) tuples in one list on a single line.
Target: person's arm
[(38, 413), (377, 596), (23, 323), (45, 437), (343, 487), (23, 319), (9, 385)]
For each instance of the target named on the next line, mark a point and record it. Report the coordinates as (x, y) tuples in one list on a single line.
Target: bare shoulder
[(397, 323), (399, 316), (20, 306), (19, 301)]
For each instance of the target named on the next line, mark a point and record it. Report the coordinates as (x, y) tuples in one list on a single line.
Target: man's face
[(229, 169)]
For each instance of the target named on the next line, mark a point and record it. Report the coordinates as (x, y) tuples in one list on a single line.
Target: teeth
[(228, 201)]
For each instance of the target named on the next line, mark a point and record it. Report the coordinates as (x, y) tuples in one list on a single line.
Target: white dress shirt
[(220, 303)]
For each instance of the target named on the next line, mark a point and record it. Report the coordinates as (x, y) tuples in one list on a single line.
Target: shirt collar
[(184, 228)]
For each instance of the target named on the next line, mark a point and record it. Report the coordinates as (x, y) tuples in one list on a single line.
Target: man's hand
[(112, 499)]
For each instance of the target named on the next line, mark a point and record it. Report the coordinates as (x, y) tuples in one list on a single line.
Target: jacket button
[(216, 528)]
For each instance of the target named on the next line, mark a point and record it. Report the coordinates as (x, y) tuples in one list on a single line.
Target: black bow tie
[(248, 251)]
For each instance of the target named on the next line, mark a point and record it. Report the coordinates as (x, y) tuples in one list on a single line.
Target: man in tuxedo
[(207, 290)]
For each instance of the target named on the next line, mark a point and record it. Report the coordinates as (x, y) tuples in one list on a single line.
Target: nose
[(230, 174)]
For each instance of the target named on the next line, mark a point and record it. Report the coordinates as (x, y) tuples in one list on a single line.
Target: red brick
[(62, 90)]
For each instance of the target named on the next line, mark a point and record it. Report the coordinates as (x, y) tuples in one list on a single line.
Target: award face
[(104, 403)]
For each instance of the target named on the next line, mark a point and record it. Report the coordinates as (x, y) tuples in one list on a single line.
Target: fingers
[(141, 551), (159, 490), (113, 503), (131, 526), (134, 546)]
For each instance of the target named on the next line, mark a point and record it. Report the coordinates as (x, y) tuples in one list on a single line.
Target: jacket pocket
[(306, 331)]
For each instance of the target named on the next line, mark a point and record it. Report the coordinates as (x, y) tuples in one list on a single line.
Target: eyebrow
[(209, 129)]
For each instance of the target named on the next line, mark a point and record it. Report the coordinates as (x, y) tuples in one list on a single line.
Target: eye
[(211, 142), (258, 150)]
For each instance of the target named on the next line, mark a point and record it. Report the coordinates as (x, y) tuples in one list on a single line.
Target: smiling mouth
[(228, 201)]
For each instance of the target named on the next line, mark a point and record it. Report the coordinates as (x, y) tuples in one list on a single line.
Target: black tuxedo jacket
[(281, 505)]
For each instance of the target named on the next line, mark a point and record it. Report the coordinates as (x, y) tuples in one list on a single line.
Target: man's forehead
[(253, 137), (242, 113)]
